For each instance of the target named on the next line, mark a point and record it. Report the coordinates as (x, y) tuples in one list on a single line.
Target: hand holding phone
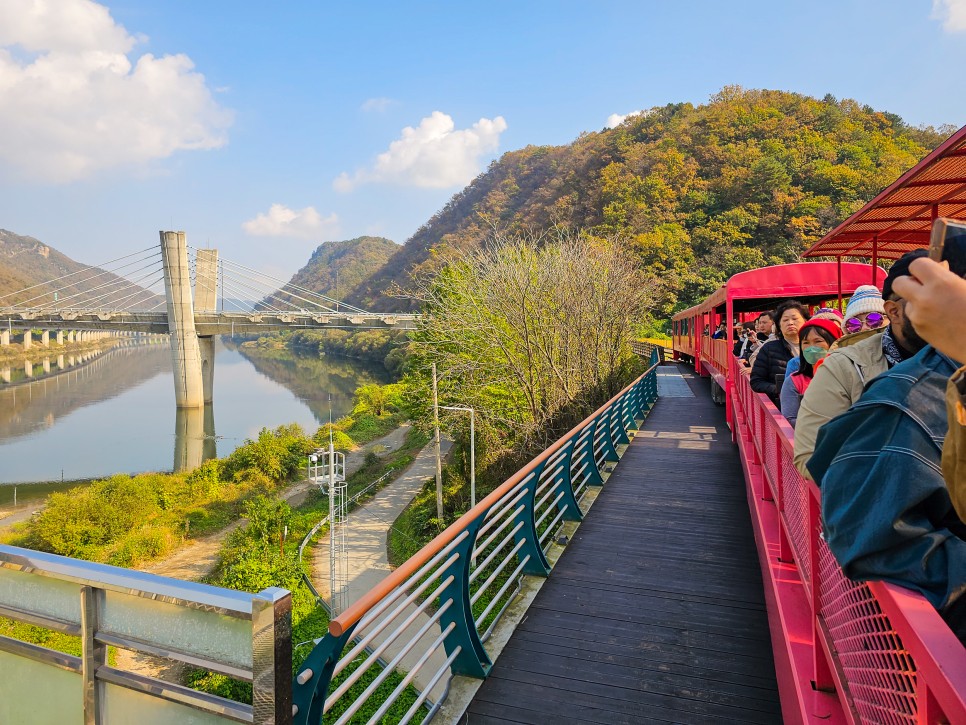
[(947, 243)]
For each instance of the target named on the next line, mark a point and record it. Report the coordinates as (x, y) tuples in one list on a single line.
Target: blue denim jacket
[(885, 506)]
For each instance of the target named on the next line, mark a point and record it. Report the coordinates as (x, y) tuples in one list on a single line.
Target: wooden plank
[(655, 611)]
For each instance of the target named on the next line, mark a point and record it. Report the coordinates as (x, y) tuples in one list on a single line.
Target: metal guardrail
[(647, 346), (435, 612), (245, 636), (882, 651)]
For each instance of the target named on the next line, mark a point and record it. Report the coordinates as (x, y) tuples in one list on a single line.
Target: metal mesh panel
[(880, 672), (796, 513), (770, 456)]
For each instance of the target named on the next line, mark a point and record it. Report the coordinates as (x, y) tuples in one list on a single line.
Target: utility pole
[(439, 461)]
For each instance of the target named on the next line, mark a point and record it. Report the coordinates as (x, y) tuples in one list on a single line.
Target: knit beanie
[(866, 298), (832, 327)]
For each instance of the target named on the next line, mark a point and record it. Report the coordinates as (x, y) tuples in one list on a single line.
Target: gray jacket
[(838, 383)]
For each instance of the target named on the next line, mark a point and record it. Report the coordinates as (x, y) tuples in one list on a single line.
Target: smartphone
[(947, 243)]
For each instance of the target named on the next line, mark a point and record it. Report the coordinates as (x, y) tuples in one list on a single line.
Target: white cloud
[(616, 119), (952, 13), (376, 105), (433, 155), (280, 221), (75, 103)]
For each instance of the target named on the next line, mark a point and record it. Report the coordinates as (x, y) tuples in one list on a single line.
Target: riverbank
[(15, 353)]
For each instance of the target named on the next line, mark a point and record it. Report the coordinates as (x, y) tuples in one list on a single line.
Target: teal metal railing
[(430, 618)]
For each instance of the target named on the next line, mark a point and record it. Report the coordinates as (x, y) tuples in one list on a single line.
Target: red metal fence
[(844, 652)]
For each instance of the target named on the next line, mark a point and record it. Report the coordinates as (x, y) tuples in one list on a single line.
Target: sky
[(264, 129)]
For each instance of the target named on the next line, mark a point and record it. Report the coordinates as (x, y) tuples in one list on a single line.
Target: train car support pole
[(875, 260), (839, 265)]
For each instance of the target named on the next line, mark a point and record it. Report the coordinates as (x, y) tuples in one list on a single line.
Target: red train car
[(744, 296)]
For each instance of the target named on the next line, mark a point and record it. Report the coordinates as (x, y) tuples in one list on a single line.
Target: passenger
[(768, 371), (817, 336), (936, 305), (764, 331), (856, 358), (721, 333), (823, 313), (745, 334), (887, 513)]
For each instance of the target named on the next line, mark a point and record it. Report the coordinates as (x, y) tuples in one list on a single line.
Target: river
[(115, 413)]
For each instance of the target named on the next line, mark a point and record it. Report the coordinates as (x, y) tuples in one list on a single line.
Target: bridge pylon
[(206, 300), (185, 348)]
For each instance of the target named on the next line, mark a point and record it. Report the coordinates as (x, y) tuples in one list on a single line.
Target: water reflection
[(194, 437), (117, 414)]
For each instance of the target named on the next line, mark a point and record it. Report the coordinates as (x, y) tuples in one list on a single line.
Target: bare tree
[(524, 326)]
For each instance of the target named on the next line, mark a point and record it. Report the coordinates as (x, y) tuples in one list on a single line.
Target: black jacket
[(772, 359)]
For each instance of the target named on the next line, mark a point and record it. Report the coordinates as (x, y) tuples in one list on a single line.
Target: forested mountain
[(697, 193), (337, 268), (25, 262)]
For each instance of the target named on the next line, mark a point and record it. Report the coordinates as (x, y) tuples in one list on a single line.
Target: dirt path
[(199, 558)]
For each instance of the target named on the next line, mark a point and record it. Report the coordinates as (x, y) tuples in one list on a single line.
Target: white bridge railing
[(245, 636)]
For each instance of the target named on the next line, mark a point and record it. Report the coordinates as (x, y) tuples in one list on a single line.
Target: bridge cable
[(117, 280), (283, 284), (243, 292), (140, 289), (85, 269), (73, 286)]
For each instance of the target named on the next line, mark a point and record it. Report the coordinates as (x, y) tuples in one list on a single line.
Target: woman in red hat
[(816, 336)]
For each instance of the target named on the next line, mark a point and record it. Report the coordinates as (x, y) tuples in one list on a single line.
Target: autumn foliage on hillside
[(335, 268), (696, 193)]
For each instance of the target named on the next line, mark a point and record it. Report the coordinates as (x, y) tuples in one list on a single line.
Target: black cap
[(900, 269)]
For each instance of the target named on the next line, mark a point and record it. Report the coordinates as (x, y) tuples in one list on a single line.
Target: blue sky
[(263, 129)]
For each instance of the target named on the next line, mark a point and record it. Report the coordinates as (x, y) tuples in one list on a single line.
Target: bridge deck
[(655, 611)]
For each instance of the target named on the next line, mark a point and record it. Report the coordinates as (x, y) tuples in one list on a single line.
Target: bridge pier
[(206, 300), (4, 338), (27, 339), (5, 374), (185, 350), (45, 338), (60, 337)]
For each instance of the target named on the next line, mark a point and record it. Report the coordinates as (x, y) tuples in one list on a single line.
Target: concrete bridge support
[(185, 350), (4, 338), (45, 338), (27, 339), (60, 337), (206, 300), (28, 369), (5, 375)]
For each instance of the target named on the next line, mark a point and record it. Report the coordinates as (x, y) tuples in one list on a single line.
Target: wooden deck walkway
[(655, 611)]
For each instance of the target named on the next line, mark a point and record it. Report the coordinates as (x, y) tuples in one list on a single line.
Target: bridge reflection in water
[(194, 437)]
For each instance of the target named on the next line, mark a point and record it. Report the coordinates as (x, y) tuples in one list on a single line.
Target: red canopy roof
[(900, 218)]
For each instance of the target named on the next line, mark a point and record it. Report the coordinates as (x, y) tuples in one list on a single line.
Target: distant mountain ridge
[(697, 193), (336, 269), (26, 262)]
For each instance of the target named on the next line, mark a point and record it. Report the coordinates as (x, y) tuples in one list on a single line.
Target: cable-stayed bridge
[(192, 297)]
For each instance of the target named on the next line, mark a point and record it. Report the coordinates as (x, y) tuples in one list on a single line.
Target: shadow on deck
[(655, 611)]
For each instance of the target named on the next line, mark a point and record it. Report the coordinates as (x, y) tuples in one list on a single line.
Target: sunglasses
[(873, 321)]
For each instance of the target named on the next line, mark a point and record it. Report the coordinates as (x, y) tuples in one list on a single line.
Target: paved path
[(368, 561)]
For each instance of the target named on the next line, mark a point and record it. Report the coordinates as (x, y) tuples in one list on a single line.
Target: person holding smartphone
[(936, 305)]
